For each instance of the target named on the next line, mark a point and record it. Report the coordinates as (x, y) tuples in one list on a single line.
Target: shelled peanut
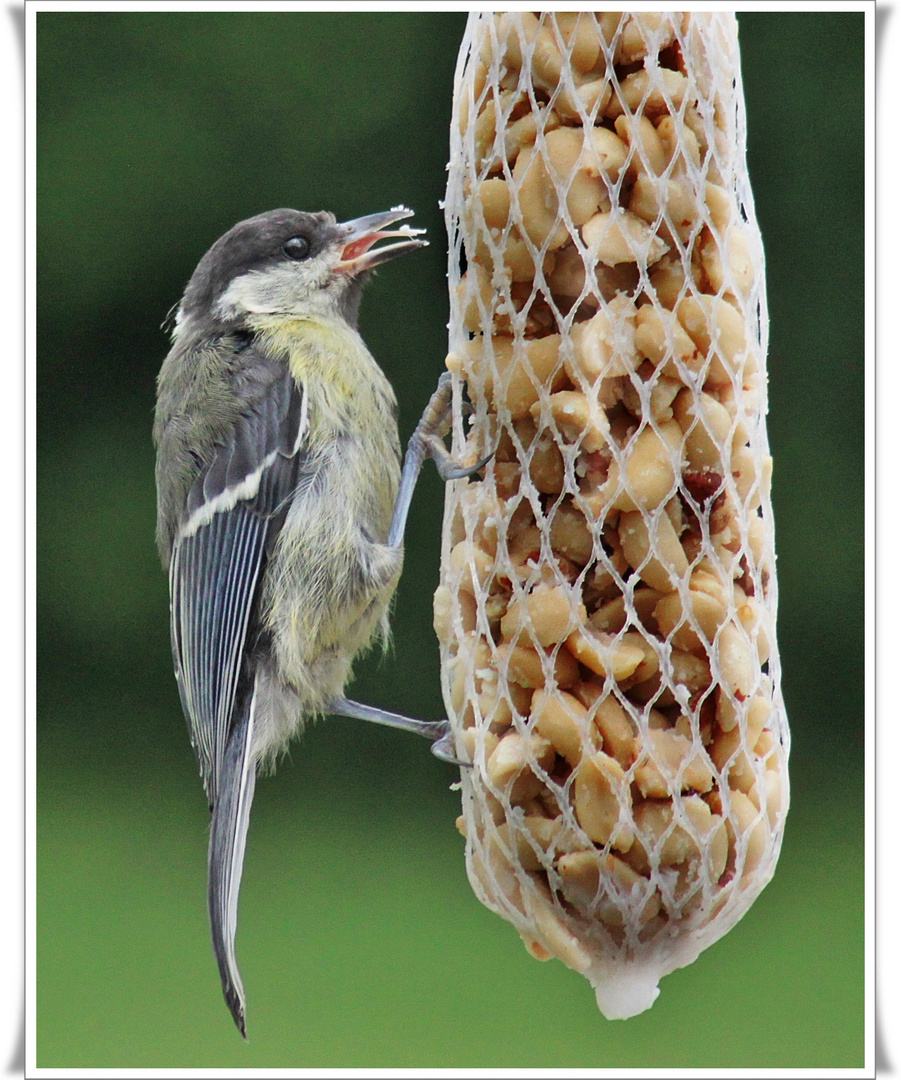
[(607, 602)]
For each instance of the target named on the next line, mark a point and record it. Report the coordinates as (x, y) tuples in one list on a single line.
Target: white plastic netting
[(607, 599)]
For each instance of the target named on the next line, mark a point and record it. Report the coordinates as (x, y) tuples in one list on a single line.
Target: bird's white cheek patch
[(252, 293), (292, 289)]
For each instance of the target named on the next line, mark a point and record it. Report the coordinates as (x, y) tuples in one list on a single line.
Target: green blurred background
[(360, 941)]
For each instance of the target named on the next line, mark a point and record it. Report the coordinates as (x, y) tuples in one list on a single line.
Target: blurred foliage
[(360, 940)]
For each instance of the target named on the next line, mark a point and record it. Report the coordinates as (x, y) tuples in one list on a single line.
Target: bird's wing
[(233, 512)]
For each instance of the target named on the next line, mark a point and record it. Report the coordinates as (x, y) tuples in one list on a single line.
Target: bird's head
[(292, 263)]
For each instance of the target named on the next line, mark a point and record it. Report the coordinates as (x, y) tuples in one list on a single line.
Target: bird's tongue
[(359, 247)]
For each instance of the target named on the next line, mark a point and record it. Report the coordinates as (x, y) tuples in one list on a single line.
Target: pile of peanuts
[(607, 597)]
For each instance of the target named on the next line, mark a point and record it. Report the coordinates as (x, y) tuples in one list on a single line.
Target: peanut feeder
[(607, 599)]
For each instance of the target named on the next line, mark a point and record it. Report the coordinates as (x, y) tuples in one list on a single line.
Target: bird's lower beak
[(361, 233)]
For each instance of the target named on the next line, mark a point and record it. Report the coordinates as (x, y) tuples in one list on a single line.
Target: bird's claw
[(434, 426), (443, 748), (449, 468)]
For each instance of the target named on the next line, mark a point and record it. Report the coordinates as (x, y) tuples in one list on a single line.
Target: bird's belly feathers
[(332, 576), (331, 551)]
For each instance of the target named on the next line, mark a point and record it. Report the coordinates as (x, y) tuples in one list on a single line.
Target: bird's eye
[(298, 247)]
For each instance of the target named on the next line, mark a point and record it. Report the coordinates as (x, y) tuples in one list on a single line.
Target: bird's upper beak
[(361, 233)]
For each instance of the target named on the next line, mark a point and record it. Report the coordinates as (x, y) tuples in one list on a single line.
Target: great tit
[(281, 506)]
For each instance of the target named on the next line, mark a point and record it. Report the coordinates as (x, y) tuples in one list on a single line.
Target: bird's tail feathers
[(228, 833)]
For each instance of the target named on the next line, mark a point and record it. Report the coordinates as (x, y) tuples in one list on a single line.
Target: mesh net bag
[(607, 597)]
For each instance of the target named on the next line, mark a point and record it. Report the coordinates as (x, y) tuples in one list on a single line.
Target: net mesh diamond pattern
[(607, 600)]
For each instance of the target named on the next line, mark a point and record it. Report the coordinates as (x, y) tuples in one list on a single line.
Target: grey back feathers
[(215, 410), (230, 516)]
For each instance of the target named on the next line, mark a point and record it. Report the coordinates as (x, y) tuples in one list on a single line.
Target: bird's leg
[(438, 731), (426, 441)]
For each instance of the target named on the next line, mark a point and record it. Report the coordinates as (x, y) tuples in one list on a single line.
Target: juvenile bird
[(281, 506)]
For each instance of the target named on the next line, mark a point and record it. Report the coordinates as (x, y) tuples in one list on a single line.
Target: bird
[(282, 499)]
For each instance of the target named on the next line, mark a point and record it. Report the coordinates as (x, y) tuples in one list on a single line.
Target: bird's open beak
[(361, 233)]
